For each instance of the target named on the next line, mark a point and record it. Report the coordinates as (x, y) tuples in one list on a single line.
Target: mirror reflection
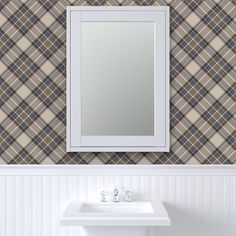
[(117, 78)]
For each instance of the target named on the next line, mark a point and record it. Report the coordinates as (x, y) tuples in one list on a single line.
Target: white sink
[(110, 218)]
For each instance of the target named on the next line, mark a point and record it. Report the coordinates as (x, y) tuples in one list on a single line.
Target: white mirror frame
[(160, 141)]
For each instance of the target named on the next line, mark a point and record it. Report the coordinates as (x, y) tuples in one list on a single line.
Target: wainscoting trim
[(122, 170)]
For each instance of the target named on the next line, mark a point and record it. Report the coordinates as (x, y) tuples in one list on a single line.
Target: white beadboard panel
[(3, 208), (201, 203)]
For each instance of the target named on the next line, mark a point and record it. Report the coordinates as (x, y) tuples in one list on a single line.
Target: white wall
[(201, 200)]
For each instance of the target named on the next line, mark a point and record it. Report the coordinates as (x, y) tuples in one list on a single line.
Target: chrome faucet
[(116, 195)]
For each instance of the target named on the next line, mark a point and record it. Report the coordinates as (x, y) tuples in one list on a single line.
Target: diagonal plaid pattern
[(33, 83)]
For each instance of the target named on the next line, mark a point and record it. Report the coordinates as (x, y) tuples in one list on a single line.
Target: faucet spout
[(116, 195)]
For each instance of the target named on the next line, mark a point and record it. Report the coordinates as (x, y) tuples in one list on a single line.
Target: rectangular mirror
[(118, 92), (117, 79)]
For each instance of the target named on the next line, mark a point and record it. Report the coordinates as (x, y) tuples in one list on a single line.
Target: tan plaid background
[(33, 84)]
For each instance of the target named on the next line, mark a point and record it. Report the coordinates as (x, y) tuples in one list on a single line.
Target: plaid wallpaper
[(33, 83)]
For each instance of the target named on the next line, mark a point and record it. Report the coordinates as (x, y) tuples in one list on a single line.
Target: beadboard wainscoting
[(201, 200)]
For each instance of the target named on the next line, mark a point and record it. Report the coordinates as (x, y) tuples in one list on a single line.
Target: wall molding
[(120, 170)]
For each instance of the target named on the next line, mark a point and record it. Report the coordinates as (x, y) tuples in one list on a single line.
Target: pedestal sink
[(115, 219)]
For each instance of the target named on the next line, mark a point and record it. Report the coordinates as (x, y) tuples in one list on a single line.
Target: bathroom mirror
[(117, 79)]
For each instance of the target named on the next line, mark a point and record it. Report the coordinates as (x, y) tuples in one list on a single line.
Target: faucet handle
[(128, 196), (103, 196)]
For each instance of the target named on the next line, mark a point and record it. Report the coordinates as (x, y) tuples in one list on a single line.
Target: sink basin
[(115, 214), (116, 208)]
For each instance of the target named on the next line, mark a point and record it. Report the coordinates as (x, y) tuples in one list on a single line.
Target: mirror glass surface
[(117, 78)]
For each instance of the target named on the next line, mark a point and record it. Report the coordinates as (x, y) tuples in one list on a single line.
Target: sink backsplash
[(33, 84)]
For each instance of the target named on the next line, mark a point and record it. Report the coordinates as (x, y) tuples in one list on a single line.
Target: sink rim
[(71, 215)]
